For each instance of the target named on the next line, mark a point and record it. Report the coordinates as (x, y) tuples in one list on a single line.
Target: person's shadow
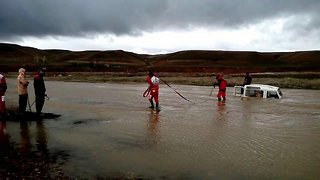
[(153, 128), (41, 138), (4, 136), (221, 110), (25, 143)]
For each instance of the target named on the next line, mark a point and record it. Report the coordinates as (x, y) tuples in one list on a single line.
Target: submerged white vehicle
[(258, 90)]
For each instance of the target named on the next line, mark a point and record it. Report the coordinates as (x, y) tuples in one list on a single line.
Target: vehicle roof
[(262, 86)]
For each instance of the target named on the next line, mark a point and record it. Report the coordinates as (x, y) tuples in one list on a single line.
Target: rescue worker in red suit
[(3, 88), (222, 87), (153, 89), (39, 89)]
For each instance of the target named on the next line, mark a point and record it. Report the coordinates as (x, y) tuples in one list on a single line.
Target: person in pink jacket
[(22, 90)]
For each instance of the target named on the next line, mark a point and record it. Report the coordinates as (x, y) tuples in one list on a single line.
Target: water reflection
[(239, 139), (221, 111), (219, 121), (248, 106), (25, 137), (19, 160), (4, 136), (153, 128), (41, 138)]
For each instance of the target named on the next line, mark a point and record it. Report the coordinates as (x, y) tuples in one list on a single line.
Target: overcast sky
[(161, 26)]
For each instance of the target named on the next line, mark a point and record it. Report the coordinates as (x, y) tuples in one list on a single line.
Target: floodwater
[(107, 130)]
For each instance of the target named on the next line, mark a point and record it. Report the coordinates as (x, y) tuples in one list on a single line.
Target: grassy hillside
[(14, 56)]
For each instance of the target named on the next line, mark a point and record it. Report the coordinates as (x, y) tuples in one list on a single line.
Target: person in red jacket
[(222, 87), (3, 88), (153, 89)]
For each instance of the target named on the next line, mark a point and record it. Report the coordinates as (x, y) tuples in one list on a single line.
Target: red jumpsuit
[(153, 90), (3, 88), (222, 87)]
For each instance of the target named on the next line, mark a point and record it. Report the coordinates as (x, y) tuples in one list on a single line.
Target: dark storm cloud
[(80, 17)]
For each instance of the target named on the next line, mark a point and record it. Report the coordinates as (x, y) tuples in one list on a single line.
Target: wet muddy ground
[(106, 130)]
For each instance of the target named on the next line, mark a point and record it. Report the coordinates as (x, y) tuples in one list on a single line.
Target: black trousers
[(39, 103), (23, 100)]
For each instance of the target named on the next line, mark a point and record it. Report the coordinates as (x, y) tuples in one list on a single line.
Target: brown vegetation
[(14, 56), (195, 67)]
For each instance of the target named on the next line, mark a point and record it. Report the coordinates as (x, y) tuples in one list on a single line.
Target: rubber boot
[(219, 99), (157, 107), (151, 102), (224, 99)]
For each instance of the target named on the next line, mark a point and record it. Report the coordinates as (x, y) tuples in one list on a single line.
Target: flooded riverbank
[(107, 130)]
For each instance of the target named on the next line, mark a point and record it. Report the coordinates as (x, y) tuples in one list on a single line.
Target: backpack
[(155, 80)]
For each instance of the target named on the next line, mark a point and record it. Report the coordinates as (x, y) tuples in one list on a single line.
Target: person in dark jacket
[(39, 89), (247, 79)]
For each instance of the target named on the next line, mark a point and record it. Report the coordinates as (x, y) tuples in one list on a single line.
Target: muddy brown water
[(107, 130)]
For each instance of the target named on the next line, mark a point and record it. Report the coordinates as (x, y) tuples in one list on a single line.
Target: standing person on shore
[(39, 89), (3, 88), (222, 87), (22, 90), (247, 79), (153, 89)]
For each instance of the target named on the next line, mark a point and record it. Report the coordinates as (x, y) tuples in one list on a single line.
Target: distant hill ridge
[(13, 56)]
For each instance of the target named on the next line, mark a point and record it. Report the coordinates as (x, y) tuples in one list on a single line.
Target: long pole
[(29, 104), (176, 91), (211, 91)]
